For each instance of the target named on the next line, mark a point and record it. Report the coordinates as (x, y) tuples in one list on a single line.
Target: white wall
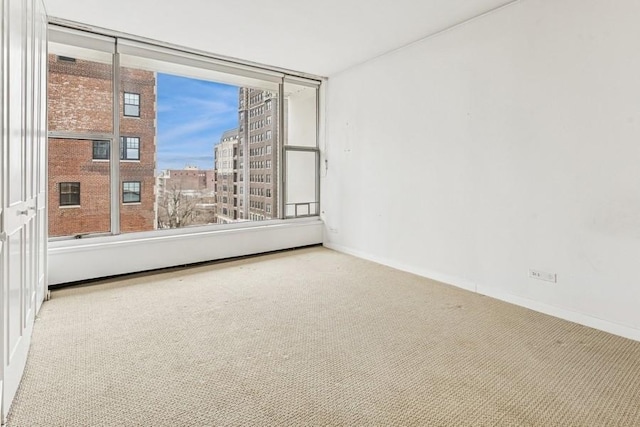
[(508, 143)]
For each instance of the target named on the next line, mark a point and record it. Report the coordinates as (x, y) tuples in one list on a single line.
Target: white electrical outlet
[(543, 275)]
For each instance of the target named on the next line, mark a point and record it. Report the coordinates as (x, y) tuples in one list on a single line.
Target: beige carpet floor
[(314, 338)]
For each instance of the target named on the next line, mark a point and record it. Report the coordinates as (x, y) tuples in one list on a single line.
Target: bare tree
[(176, 209)]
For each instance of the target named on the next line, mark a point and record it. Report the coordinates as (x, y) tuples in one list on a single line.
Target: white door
[(22, 142)]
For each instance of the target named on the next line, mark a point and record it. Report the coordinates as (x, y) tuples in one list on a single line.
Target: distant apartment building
[(186, 197), (80, 106), (228, 191), (258, 136), (246, 161)]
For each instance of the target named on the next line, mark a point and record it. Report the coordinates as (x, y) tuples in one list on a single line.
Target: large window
[(192, 132)]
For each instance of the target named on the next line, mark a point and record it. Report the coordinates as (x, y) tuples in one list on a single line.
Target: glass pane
[(300, 105), (131, 110), (80, 94), (137, 101), (208, 159), (259, 120), (79, 197), (79, 101), (301, 185)]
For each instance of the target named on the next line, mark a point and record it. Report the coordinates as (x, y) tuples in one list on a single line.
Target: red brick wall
[(187, 179), (70, 161), (80, 100), (142, 216), (79, 96)]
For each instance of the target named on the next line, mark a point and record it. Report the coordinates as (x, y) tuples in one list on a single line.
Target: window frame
[(139, 192), (125, 104), (298, 208), (67, 193), (107, 144), (124, 147), (103, 41)]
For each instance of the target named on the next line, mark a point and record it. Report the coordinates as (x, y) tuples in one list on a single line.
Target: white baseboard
[(562, 313), (438, 277)]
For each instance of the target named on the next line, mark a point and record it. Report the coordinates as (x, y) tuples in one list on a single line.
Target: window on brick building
[(132, 104), (101, 150), (131, 192), (69, 193), (66, 58), (129, 148)]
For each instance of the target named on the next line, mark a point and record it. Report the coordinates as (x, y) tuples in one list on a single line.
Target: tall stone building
[(246, 161), (79, 108), (258, 147), (229, 192)]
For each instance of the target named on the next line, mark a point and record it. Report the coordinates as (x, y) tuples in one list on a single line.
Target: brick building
[(79, 113)]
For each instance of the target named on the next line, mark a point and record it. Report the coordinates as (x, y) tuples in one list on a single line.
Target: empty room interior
[(411, 213)]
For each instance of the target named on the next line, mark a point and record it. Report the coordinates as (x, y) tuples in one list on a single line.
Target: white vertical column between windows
[(280, 173), (114, 170)]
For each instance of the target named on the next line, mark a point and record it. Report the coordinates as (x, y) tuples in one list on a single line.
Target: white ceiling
[(318, 37)]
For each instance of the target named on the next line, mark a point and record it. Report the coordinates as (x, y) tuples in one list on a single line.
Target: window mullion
[(318, 161), (246, 169), (280, 170), (115, 148)]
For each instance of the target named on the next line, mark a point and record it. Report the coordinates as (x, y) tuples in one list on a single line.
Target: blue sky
[(192, 114)]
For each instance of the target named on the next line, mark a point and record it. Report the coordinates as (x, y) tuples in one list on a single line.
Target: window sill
[(131, 203), (69, 207), (81, 259), (121, 160)]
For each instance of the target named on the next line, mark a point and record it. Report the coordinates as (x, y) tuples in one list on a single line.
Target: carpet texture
[(313, 337)]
